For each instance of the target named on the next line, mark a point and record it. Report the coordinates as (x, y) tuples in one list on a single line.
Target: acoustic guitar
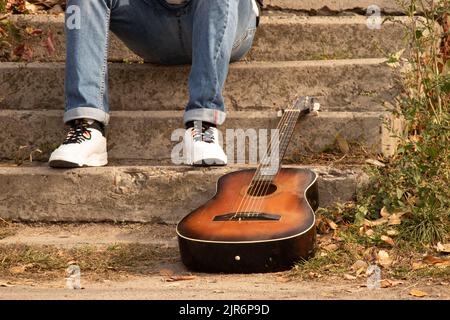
[(260, 220)]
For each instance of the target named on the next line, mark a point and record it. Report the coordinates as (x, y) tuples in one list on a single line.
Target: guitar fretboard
[(271, 164)]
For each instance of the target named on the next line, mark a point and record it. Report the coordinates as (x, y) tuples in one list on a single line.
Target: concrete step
[(341, 85), (285, 37), (325, 7), (131, 193), (151, 135), (72, 235)]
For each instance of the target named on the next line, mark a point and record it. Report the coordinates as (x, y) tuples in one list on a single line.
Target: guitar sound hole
[(261, 189)]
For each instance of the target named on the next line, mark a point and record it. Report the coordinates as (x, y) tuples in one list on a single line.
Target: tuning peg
[(315, 108)]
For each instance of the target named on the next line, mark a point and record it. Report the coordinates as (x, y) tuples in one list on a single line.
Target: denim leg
[(208, 33), (219, 28), (86, 27)]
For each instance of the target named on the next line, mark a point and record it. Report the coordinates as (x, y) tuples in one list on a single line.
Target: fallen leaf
[(395, 218), (384, 259), (388, 240), (444, 248), (20, 269), (418, 293), (361, 231), (392, 232), (386, 283), (179, 278), (384, 212), (375, 163), (342, 144), (435, 260), (6, 285), (359, 264), (332, 224), (32, 8), (49, 43), (17, 270), (374, 223), (418, 265), (369, 233), (331, 247), (349, 277), (33, 31)]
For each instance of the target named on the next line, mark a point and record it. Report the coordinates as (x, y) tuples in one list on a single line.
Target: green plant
[(416, 180)]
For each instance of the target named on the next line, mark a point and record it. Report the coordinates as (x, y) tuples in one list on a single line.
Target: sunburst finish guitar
[(260, 220)]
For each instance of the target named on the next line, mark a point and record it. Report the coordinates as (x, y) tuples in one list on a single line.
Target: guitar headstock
[(307, 106)]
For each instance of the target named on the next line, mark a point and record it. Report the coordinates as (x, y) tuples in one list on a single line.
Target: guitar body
[(243, 233)]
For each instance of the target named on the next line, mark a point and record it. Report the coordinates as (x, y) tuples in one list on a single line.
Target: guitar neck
[(279, 142)]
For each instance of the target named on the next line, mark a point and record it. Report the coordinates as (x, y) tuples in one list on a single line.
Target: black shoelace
[(203, 133), (78, 132)]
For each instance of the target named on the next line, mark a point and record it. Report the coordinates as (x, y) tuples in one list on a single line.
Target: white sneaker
[(84, 146), (202, 146)]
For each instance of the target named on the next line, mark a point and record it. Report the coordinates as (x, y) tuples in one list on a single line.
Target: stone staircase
[(332, 55)]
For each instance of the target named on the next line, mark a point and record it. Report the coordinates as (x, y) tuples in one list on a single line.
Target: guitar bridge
[(248, 216)]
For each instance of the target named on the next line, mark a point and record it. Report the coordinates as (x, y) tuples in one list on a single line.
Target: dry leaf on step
[(418, 293)]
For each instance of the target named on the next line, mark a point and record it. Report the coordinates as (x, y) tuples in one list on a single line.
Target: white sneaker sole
[(95, 160)]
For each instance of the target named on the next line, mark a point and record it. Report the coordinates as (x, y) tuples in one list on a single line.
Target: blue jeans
[(207, 33)]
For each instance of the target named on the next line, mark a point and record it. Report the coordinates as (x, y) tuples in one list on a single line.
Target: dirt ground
[(168, 279), (222, 287)]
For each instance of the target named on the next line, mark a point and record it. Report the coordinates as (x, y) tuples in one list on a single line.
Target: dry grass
[(50, 262)]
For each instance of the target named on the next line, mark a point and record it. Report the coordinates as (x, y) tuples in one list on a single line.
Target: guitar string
[(258, 188), (293, 123), (263, 186), (260, 184), (258, 206), (245, 199)]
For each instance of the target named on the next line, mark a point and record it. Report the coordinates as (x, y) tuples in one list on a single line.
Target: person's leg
[(87, 35), (86, 89), (222, 31), (87, 30)]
